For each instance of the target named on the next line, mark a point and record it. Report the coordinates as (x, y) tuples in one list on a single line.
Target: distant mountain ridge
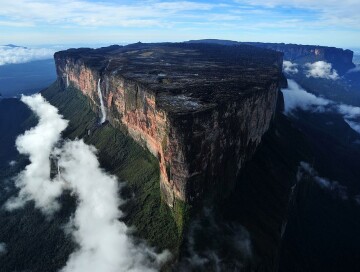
[(341, 59), (14, 46)]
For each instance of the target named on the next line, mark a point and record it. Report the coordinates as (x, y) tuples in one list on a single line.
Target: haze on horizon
[(94, 22)]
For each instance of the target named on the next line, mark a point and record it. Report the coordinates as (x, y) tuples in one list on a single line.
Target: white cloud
[(330, 12), (349, 111), (296, 97), (351, 116), (60, 21), (9, 55), (354, 70), (289, 67), (103, 239), (3, 249), (321, 69), (38, 142), (353, 124), (105, 243), (306, 170), (99, 13)]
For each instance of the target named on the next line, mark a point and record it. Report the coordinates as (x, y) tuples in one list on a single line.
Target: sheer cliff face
[(200, 111)]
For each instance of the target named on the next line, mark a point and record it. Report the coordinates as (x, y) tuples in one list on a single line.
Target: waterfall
[(58, 168), (102, 107), (67, 80), (67, 75)]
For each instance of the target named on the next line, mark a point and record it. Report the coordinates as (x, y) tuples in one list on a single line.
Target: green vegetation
[(132, 164), (181, 214)]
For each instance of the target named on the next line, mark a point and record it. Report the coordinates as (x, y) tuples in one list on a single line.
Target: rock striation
[(201, 109)]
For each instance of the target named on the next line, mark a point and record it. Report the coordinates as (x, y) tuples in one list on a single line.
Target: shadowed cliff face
[(200, 109)]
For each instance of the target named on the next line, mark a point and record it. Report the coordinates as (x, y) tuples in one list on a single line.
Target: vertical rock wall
[(197, 151)]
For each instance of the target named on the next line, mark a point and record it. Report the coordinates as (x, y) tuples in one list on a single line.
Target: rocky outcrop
[(340, 59), (201, 110)]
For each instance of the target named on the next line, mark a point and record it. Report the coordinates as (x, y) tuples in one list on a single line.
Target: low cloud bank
[(297, 98), (321, 69), (289, 67), (13, 55), (105, 243)]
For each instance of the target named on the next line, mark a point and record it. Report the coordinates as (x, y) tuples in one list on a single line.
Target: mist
[(211, 243), (104, 242), (3, 249), (305, 169)]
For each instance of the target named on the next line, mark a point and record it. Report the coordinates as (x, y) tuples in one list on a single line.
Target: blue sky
[(92, 22)]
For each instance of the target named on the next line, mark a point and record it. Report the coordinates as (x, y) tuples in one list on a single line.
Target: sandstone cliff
[(201, 110)]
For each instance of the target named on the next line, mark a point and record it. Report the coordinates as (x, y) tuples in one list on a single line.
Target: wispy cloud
[(10, 55), (353, 124), (98, 13), (16, 24), (104, 242), (354, 70), (3, 249), (297, 98), (305, 170), (331, 12), (351, 115), (232, 236), (257, 20), (321, 69)]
